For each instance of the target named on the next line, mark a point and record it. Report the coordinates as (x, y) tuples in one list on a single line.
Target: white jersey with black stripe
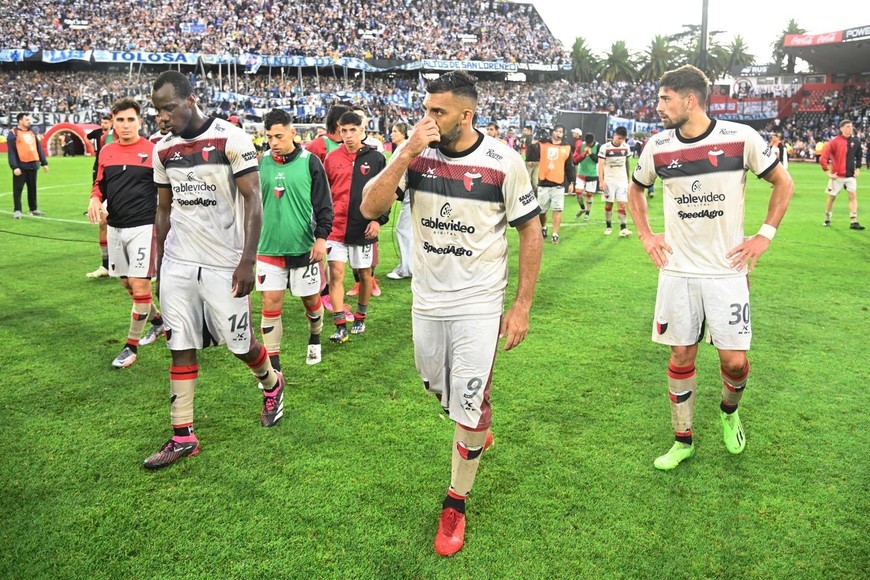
[(207, 214), (704, 181), (615, 159), (461, 206)]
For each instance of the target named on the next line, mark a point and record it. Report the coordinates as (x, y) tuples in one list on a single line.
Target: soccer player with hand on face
[(465, 189)]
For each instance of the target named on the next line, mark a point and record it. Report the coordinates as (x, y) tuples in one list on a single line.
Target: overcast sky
[(637, 22)]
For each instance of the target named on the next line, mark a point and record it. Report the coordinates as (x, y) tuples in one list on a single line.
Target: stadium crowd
[(398, 99), (380, 29), (394, 99), (807, 132)]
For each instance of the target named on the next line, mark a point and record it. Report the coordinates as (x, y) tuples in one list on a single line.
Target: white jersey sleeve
[(645, 169), (760, 157), (160, 177), (241, 152), (519, 199)]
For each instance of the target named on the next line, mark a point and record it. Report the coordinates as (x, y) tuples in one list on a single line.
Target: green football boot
[(732, 432), (677, 454)]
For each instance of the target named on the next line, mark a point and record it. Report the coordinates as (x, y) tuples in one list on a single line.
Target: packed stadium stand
[(375, 29), (74, 58)]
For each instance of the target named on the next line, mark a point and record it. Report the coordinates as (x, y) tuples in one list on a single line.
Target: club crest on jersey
[(713, 156), (279, 191), (206, 151), (365, 168), (143, 157), (469, 180)]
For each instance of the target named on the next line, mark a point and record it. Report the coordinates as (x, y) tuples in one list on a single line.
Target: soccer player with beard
[(703, 257), (465, 189), (209, 215)]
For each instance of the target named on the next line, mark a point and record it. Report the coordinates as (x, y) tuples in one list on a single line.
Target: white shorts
[(302, 281), (617, 192), (132, 251), (200, 310), (587, 184), (455, 358), (358, 256), (551, 198), (685, 305), (837, 184)]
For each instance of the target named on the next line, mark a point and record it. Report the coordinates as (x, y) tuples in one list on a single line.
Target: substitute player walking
[(209, 216), (841, 162), (613, 172), (125, 182), (703, 257), (297, 218), (465, 189)]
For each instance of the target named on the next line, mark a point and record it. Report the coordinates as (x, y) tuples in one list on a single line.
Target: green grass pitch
[(349, 484)]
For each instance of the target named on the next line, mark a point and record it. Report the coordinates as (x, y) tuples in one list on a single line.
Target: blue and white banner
[(193, 28), (121, 56), (218, 58), (15, 54), (65, 55), (614, 122), (474, 65), (640, 127), (252, 62)]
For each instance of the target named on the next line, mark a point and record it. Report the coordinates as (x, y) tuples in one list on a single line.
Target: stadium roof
[(843, 51)]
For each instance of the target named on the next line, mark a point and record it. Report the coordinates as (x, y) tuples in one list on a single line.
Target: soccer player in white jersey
[(613, 173), (209, 215), (703, 257), (465, 189)]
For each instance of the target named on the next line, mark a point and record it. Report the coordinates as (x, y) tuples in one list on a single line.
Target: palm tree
[(739, 57), (778, 46), (618, 65), (657, 59), (685, 45), (688, 51), (584, 65)]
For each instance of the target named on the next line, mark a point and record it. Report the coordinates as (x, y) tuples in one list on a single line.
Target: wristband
[(767, 231)]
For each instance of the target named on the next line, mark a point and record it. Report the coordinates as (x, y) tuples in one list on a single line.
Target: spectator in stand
[(373, 29)]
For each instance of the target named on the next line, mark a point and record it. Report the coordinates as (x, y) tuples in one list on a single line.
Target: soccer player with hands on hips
[(703, 257), (465, 188)]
